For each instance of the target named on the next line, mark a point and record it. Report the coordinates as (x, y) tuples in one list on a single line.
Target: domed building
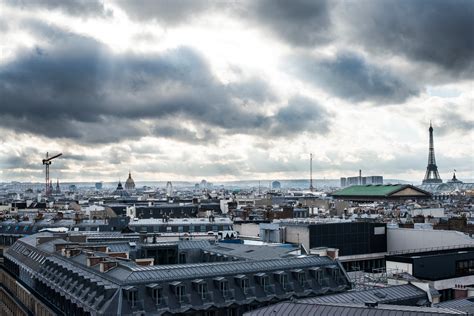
[(276, 185), (120, 191), (130, 184)]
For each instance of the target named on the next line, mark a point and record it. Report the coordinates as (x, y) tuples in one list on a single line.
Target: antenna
[(311, 172)]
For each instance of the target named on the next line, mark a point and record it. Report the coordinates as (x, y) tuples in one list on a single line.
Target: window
[(157, 294), (203, 228), (317, 274), (262, 280), (180, 229), (222, 285), (465, 267), (180, 292), (284, 280), (191, 228), (302, 278), (224, 288), (202, 290), (168, 229), (131, 295), (243, 282), (182, 258)]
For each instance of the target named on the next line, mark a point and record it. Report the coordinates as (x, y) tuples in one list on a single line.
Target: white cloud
[(248, 57)]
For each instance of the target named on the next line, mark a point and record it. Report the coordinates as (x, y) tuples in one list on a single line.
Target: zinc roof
[(178, 272), (369, 190), (297, 308), (381, 295)]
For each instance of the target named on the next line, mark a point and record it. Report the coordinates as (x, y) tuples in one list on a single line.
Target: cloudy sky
[(226, 90)]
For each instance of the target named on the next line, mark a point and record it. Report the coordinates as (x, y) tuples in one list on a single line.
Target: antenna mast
[(311, 188)]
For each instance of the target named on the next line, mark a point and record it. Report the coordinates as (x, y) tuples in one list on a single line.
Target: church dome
[(129, 184)]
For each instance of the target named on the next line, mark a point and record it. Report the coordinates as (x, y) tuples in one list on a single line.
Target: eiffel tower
[(431, 175)]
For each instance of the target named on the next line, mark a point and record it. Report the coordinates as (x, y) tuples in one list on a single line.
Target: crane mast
[(47, 163)]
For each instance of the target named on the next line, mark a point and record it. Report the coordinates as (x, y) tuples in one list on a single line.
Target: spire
[(431, 175), (58, 189)]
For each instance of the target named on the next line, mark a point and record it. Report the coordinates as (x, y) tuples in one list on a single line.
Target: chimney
[(145, 262), (106, 266), (93, 261), (118, 255), (72, 252), (59, 247), (332, 253)]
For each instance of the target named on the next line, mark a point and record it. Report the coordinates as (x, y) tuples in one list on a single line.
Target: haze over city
[(231, 90)]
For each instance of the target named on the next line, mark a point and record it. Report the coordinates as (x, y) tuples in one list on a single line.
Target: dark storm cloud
[(299, 22), (166, 12), (350, 77), (16, 162), (253, 89), (452, 121), (301, 114), (76, 8), (438, 32), (78, 89), (184, 134)]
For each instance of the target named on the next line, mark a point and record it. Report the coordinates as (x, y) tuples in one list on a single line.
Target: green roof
[(370, 190)]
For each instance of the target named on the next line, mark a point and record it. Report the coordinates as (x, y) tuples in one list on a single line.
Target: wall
[(298, 234), (399, 266), (434, 212), (271, 232), (352, 238), (407, 239), (247, 229)]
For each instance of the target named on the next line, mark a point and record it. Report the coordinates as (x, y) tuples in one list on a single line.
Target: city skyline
[(176, 90)]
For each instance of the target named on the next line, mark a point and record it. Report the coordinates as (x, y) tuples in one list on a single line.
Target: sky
[(229, 90)]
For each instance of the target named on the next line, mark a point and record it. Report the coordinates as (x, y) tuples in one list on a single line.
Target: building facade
[(82, 277)]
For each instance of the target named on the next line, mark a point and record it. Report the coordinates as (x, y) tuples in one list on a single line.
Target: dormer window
[(317, 274), (300, 276), (282, 278), (262, 280), (179, 291), (223, 286), (243, 282), (156, 293), (201, 288), (131, 295)]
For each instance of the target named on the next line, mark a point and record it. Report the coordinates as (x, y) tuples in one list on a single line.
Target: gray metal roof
[(327, 309), (193, 244), (251, 252), (382, 295), (465, 305), (203, 270)]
